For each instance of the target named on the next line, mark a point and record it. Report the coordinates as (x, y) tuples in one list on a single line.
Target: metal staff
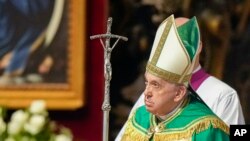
[(106, 107)]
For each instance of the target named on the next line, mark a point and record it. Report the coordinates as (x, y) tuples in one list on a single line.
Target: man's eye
[(155, 85)]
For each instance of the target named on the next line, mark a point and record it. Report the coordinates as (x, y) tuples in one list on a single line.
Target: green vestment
[(193, 121)]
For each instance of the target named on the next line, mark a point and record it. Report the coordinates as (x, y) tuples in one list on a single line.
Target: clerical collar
[(199, 75), (162, 118)]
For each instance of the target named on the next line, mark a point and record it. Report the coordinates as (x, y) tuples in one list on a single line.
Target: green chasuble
[(193, 121)]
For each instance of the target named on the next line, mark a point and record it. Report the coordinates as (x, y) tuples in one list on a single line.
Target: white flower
[(35, 124), (29, 124), (63, 137), (19, 116), (14, 127), (2, 126), (38, 107)]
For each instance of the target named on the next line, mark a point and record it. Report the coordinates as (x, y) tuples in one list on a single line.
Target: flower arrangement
[(32, 124)]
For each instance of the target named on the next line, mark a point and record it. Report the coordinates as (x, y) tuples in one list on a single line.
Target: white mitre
[(174, 51)]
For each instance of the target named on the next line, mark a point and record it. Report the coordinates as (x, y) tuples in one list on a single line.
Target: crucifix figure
[(107, 72)]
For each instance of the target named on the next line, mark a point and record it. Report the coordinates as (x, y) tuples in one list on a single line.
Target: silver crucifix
[(107, 72)]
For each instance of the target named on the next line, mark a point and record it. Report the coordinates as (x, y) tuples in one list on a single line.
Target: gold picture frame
[(58, 96)]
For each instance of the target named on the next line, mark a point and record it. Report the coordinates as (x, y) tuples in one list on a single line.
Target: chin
[(151, 110)]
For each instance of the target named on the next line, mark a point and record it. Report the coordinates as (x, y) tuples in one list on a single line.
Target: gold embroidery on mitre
[(163, 38), (169, 76), (166, 75)]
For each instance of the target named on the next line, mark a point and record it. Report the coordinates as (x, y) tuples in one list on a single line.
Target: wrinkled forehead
[(151, 77)]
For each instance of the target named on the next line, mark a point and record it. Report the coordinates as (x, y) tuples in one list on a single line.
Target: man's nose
[(147, 91)]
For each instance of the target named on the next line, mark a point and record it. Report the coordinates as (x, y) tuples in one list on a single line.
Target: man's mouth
[(148, 102)]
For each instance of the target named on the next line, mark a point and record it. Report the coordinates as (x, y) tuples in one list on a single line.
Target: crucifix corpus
[(106, 107)]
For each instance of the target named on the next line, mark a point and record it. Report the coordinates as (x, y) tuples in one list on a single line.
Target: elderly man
[(171, 111)]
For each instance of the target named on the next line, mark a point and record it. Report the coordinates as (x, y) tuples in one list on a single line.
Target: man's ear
[(200, 47), (180, 94)]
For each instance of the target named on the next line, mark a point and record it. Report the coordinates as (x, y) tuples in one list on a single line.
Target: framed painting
[(42, 50)]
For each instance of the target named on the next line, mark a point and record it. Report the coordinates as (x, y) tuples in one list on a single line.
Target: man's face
[(160, 95)]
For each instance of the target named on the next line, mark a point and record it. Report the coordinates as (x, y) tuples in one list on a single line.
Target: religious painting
[(42, 53)]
